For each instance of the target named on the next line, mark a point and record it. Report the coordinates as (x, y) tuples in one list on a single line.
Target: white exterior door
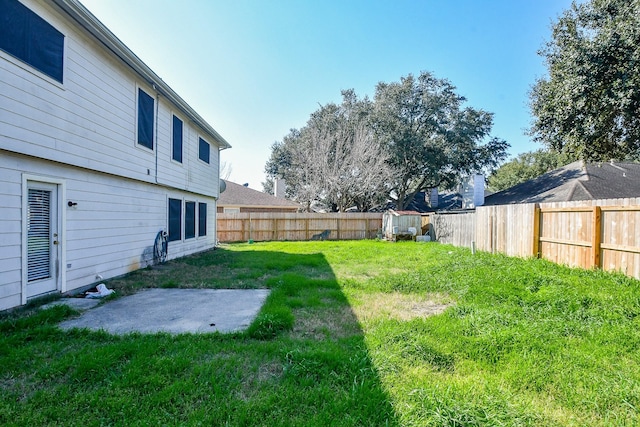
[(43, 238)]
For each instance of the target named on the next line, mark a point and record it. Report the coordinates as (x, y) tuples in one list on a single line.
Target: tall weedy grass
[(352, 333)]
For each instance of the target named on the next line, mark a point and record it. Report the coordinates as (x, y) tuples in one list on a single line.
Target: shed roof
[(575, 181), (239, 195), (403, 213)]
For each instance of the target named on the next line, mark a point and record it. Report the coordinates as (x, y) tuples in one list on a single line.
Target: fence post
[(596, 237), (536, 231)]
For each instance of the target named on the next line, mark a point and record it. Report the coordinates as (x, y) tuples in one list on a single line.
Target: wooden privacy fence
[(455, 229), (593, 234), (266, 226), (606, 237)]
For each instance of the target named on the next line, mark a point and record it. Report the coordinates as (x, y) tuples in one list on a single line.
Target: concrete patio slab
[(174, 311)]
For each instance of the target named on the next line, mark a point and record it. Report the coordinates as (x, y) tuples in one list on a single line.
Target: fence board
[(456, 229), (587, 234), (269, 226)]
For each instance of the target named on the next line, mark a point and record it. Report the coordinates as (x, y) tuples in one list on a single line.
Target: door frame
[(61, 277)]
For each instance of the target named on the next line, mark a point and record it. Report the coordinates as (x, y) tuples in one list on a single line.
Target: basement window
[(31, 39)]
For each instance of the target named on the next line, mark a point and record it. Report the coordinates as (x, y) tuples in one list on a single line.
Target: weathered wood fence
[(593, 234), (297, 226)]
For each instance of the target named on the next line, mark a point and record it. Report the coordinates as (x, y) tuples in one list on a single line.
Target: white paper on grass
[(103, 291)]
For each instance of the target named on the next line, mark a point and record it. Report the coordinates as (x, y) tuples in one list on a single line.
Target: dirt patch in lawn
[(325, 323), (400, 306)]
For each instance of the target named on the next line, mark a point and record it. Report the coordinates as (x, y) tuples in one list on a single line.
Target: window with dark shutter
[(204, 150), (189, 220), (145, 119), (177, 140), (175, 220), (31, 39), (202, 219)]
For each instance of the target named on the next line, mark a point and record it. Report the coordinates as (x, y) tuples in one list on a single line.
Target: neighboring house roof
[(446, 201), (89, 22), (239, 195), (575, 181)]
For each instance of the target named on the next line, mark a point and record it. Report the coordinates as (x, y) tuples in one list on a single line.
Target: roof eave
[(96, 28)]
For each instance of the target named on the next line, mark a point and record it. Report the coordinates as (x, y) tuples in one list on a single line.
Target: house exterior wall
[(110, 232), (81, 135), (90, 120)]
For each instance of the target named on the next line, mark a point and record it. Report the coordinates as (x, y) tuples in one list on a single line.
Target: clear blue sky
[(254, 69)]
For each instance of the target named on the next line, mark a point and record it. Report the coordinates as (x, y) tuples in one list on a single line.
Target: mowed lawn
[(363, 333)]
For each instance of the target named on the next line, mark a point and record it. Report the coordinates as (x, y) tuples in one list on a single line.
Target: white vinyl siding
[(110, 232), (11, 237), (91, 121), (83, 133)]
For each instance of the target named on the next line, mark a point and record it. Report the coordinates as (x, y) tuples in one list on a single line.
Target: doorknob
[(55, 242)]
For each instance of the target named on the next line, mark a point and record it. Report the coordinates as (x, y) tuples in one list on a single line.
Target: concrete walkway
[(171, 310)]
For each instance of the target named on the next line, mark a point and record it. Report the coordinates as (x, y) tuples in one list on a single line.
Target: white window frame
[(198, 150), (184, 138), (62, 227), (195, 219), (155, 120)]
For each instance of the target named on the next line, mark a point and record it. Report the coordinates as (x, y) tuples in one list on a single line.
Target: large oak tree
[(432, 140), (416, 135), (589, 104)]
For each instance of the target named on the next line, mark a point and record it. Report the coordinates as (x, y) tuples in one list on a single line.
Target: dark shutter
[(189, 220), (175, 220), (31, 39), (203, 152), (177, 139), (202, 219), (145, 119)]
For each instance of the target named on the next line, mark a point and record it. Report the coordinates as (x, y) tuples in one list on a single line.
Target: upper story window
[(146, 105), (204, 151), (31, 39), (176, 153)]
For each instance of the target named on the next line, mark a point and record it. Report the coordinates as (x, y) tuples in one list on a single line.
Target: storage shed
[(401, 225)]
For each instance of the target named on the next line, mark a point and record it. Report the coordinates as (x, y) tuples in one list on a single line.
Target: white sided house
[(97, 156)]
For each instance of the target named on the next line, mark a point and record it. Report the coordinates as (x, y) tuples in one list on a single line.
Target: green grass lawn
[(353, 333)]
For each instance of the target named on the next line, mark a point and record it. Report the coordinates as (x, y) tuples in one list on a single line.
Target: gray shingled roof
[(575, 181), (239, 195)]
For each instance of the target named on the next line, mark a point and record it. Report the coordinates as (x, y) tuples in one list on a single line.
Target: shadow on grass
[(303, 361)]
